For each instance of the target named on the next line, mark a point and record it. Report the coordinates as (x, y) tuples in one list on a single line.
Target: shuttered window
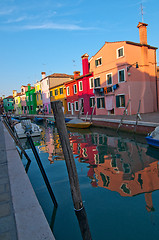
[(120, 101)]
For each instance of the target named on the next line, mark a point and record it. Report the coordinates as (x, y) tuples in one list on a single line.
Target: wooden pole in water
[(72, 172)]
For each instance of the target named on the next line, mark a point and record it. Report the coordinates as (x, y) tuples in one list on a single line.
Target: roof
[(9, 97), (82, 76), (60, 84), (127, 42), (58, 75)]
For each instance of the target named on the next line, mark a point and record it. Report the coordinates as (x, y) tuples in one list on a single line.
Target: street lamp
[(137, 66)]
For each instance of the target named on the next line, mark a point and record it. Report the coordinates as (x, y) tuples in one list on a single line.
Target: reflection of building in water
[(51, 145), (86, 151), (129, 171)]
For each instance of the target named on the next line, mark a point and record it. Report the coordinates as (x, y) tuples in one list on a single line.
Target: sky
[(51, 35)]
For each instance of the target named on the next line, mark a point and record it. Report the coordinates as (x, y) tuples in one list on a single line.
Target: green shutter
[(117, 102), (98, 103)]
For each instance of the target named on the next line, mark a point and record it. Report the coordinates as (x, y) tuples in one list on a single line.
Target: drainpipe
[(156, 82)]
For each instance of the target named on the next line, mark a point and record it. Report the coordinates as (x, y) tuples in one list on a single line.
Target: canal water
[(119, 182)]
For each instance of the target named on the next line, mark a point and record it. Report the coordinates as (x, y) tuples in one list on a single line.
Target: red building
[(85, 87)]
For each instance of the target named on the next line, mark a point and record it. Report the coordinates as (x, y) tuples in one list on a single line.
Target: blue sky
[(51, 36)]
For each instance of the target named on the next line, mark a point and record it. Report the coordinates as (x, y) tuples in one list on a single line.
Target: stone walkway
[(21, 216)]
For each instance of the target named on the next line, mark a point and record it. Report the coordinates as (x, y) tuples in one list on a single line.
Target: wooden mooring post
[(72, 171)]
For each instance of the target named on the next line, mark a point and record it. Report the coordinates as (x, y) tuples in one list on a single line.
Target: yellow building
[(38, 92), (17, 102), (59, 93)]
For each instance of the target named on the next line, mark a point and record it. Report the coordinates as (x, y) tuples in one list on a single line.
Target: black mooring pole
[(41, 169), (71, 169)]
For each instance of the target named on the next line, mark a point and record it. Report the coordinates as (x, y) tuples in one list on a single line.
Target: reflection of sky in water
[(118, 179)]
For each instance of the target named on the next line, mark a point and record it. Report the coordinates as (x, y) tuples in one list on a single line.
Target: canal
[(119, 182)]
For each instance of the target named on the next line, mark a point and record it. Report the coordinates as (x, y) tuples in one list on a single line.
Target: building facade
[(125, 75), (8, 104)]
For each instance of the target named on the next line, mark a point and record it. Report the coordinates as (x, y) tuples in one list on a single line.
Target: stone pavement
[(8, 229), (21, 216)]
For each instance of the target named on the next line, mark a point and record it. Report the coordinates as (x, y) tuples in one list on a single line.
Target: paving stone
[(2, 188), (6, 236), (3, 156), (5, 197), (5, 209)]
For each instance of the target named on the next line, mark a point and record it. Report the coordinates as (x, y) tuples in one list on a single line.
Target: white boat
[(27, 126)]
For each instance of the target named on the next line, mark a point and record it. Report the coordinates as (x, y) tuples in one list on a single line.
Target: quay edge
[(29, 218)]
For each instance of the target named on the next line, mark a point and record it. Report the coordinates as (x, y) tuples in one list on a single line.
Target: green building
[(8, 104), (31, 100)]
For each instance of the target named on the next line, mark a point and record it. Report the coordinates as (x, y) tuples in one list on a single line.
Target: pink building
[(23, 99), (125, 70)]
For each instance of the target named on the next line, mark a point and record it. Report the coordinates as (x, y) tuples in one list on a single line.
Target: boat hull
[(152, 142), (79, 125)]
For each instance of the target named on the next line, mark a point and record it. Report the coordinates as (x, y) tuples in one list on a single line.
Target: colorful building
[(8, 104), (38, 92), (125, 70), (57, 87), (86, 96), (24, 89), (72, 96), (59, 93), (31, 100), (17, 102)]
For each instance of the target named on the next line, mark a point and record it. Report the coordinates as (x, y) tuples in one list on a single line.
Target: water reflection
[(118, 164), (114, 169), (115, 163)]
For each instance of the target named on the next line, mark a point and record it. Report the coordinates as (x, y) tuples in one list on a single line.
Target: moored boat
[(26, 125), (153, 138), (78, 123)]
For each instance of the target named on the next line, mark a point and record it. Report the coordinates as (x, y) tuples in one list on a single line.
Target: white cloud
[(55, 26), (6, 11)]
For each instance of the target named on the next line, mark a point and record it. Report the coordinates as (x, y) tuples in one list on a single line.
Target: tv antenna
[(142, 13)]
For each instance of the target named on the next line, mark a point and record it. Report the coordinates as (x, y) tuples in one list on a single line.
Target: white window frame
[(98, 60), (117, 51), (68, 91), (120, 99), (100, 104), (94, 82), (75, 88), (80, 86), (76, 109), (111, 77), (124, 76), (91, 83), (69, 106), (91, 101)]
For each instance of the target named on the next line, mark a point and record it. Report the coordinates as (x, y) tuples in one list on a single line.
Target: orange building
[(125, 70)]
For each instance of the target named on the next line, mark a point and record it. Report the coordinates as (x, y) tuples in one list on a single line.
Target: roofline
[(82, 76)]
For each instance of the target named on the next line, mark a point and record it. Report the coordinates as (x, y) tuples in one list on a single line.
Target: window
[(100, 102), (68, 90), (76, 106), (69, 106), (120, 52), (50, 93), (109, 79), (61, 90), (92, 101), (8, 104), (91, 83), (121, 75), (31, 108), (97, 82), (98, 62), (120, 101), (37, 98), (80, 86), (47, 81), (56, 92), (75, 88), (31, 98)]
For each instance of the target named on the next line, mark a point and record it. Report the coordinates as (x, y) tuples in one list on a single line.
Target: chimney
[(14, 93), (142, 32), (85, 64), (43, 75), (76, 74)]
